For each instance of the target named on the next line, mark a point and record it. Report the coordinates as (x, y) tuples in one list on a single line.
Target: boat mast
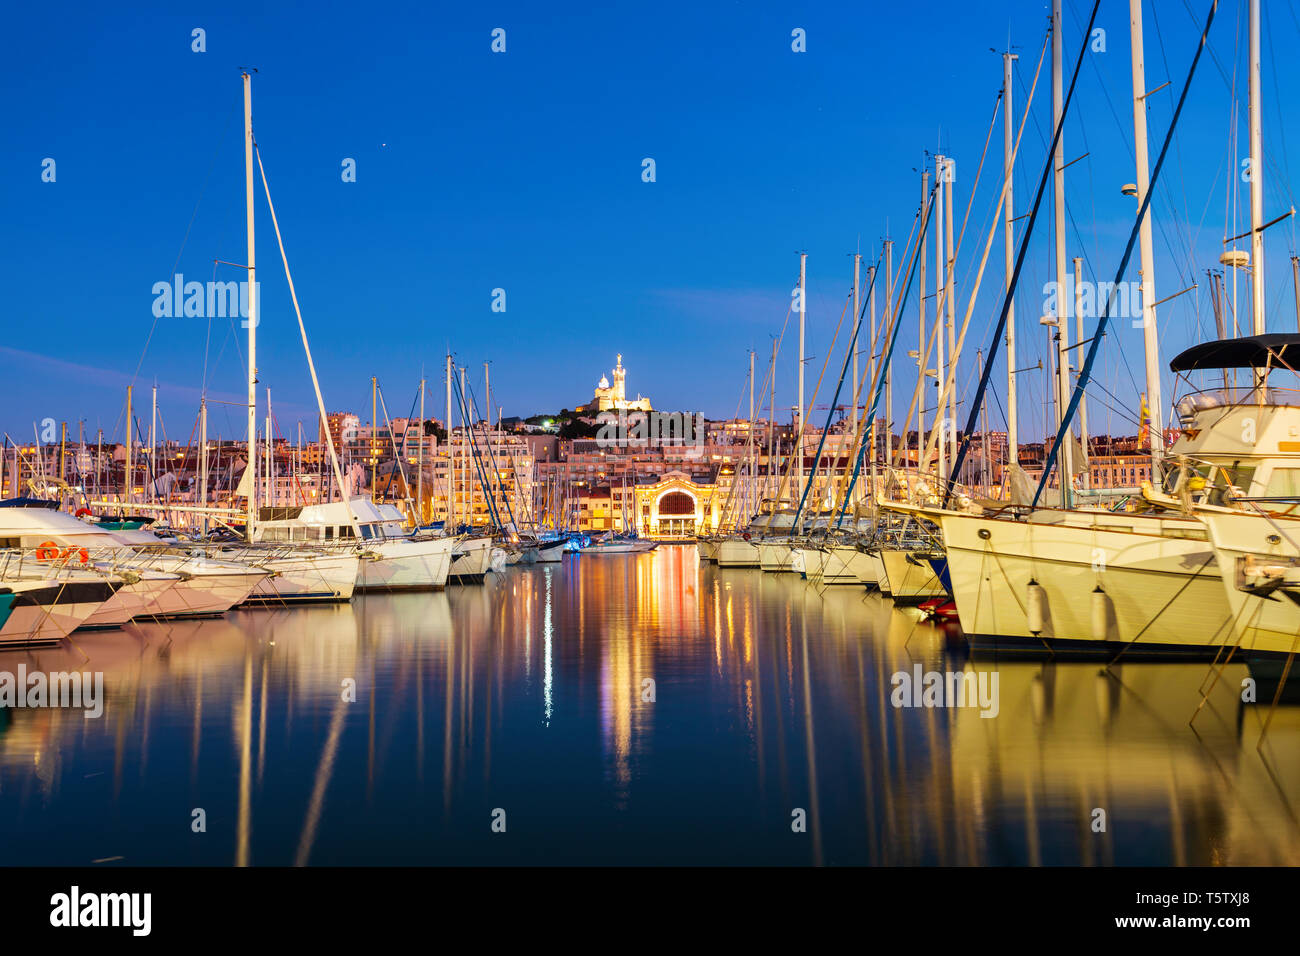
[(889, 383), (1150, 341), (419, 462), (269, 467), (151, 493), (803, 311), (772, 480), (1008, 246), (853, 344), (871, 377), (857, 271), (451, 461), (465, 436), (374, 429), (1065, 455), (492, 489), (940, 280), (1083, 399), (749, 494), (130, 459), (921, 297), (251, 516), (949, 173), (1256, 111)]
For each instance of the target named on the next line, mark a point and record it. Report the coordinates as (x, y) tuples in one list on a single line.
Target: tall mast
[(153, 448), (1063, 304), (465, 438), (749, 492), (803, 310), (1256, 181), (951, 297), (130, 462), (871, 378), (920, 340), (419, 462), (266, 451), (251, 517), (771, 420), (374, 430), (451, 462), (1008, 247), (492, 489), (940, 280), (886, 316), (857, 271), (1083, 398), (1147, 274)]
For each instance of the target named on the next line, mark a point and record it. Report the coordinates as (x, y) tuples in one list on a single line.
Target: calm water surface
[(527, 694)]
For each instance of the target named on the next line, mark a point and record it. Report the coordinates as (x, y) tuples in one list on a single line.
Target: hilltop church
[(613, 398)]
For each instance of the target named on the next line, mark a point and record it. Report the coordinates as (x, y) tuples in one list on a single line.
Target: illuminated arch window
[(677, 503)]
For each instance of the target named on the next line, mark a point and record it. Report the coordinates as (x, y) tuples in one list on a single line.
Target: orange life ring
[(81, 553), (47, 551), (83, 512)]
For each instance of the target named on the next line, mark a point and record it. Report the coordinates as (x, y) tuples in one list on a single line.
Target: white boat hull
[(471, 560), (405, 564), (910, 579), (307, 579), (131, 600), (1259, 623), (1162, 586), (775, 556), (737, 553)]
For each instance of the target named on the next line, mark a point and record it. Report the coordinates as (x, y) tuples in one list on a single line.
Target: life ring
[(47, 551), (83, 513), (82, 554)]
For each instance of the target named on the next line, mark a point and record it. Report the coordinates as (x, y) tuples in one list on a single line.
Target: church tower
[(620, 375)]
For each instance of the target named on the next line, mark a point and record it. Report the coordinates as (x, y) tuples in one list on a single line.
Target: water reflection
[(770, 703)]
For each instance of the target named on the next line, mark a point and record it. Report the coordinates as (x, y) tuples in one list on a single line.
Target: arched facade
[(674, 507)]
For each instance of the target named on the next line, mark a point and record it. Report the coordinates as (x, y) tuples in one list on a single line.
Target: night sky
[(522, 171)]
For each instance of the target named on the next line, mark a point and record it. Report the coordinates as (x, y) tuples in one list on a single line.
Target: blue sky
[(522, 171)]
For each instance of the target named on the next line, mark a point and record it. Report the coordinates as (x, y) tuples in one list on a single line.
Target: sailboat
[(1145, 581), (352, 529)]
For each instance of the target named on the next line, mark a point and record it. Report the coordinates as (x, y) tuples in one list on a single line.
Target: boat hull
[(306, 579), (404, 564), (1161, 588), (911, 579), (737, 553)]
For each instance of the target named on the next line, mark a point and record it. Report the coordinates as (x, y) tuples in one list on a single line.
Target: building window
[(677, 503)]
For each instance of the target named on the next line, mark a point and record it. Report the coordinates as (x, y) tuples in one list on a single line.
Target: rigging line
[(924, 220), (1069, 209), (1178, 148), (311, 364), (848, 354), (1269, 161), (949, 386), (1020, 257), (1281, 126), (185, 239), (1049, 459)]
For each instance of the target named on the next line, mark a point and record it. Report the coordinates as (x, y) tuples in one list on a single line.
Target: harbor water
[(629, 709)]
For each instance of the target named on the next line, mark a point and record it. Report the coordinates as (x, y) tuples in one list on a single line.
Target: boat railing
[(1231, 397)]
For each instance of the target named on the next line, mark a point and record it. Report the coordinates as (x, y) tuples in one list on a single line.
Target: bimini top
[(1252, 351)]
